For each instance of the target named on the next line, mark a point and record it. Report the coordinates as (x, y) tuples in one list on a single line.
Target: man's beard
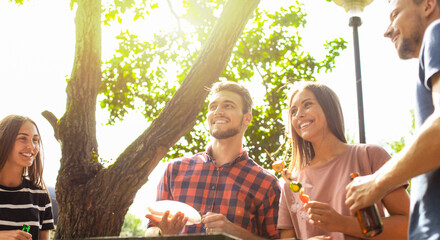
[(226, 133), (407, 48), (409, 45)]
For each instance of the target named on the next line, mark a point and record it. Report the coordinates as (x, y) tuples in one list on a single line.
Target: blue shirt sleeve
[(429, 64), (430, 59)]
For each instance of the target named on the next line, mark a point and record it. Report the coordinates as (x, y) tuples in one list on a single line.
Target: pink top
[(326, 183)]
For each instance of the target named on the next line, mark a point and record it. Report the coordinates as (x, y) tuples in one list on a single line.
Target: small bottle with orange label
[(369, 218)]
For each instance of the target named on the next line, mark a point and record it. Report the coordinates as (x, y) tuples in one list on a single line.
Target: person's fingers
[(210, 217), (316, 222), (348, 201), (211, 224), (207, 215), (353, 208), (351, 204), (28, 236), (318, 218), (315, 217), (165, 216), (155, 220), (177, 218), (20, 235), (317, 210), (208, 225), (316, 204), (348, 187), (180, 219), (212, 230), (185, 220)]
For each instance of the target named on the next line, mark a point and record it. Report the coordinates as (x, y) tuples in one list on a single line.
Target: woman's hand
[(15, 235), (325, 217)]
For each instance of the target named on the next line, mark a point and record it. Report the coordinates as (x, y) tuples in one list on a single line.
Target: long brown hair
[(302, 150), (9, 128)]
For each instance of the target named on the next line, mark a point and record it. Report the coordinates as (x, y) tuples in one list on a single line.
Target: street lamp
[(355, 7)]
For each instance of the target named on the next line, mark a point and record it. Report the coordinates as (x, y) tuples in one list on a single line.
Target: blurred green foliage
[(132, 226), (397, 146), (19, 2)]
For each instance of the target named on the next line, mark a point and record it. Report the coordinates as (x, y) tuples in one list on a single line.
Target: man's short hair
[(236, 88), (417, 2)]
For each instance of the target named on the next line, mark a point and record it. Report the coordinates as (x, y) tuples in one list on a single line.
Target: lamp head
[(354, 7)]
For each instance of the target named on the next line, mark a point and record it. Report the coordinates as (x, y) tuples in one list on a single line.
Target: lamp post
[(355, 7)]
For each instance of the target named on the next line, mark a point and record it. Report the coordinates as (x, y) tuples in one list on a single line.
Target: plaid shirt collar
[(243, 156)]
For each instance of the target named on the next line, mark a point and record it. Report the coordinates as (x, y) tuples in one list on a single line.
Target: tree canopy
[(268, 54)]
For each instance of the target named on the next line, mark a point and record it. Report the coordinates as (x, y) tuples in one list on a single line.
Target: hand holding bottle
[(15, 235), (369, 218)]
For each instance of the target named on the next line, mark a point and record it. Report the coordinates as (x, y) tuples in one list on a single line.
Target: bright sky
[(36, 54)]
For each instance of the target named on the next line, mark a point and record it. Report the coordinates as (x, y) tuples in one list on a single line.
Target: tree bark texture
[(93, 200)]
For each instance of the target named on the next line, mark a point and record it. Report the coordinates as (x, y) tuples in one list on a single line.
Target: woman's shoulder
[(32, 188), (367, 147), (370, 157)]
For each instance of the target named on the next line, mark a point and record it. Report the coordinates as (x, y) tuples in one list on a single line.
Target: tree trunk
[(93, 200)]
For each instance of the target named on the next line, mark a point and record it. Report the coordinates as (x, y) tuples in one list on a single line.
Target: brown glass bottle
[(369, 218)]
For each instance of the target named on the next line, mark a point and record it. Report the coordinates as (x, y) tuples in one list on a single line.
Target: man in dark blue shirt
[(415, 32)]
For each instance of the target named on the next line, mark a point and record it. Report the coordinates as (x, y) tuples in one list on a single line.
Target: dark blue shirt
[(425, 189)]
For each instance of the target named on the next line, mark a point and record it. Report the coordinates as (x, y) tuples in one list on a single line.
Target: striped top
[(25, 204), (241, 190)]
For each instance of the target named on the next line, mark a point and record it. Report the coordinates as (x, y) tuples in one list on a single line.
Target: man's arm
[(421, 156)]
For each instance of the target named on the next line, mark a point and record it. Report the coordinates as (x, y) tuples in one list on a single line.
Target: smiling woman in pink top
[(322, 161)]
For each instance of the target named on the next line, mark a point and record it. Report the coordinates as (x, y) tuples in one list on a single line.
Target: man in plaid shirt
[(234, 194)]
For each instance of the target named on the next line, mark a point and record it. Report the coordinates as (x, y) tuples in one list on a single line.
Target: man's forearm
[(421, 156)]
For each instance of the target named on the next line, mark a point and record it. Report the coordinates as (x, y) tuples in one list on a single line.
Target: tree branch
[(179, 115), (53, 120)]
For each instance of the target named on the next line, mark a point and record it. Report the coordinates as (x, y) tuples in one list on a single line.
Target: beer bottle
[(369, 218)]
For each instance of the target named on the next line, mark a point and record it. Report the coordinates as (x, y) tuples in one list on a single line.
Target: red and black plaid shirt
[(241, 190)]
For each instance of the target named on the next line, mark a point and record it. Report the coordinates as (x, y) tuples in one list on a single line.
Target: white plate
[(160, 207)]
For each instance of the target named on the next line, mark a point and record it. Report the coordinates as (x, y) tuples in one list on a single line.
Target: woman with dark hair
[(24, 199), (323, 161)]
